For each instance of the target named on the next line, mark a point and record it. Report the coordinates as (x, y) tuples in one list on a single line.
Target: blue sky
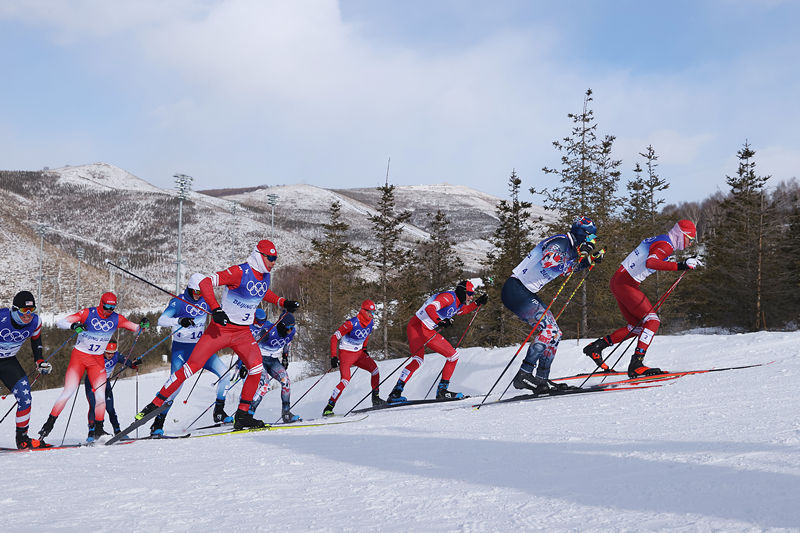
[(249, 92)]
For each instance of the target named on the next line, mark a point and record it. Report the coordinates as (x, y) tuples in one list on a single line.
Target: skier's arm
[(440, 302), (343, 330), (230, 277), (467, 309), (124, 323), (657, 260), (36, 344), (67, 321), (167, 318)]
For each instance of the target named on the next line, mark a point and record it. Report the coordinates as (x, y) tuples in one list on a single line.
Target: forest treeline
[(748, 237)]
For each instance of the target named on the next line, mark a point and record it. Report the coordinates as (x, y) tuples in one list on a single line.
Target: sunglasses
[(109, 307), (269, 257), (25, 310)]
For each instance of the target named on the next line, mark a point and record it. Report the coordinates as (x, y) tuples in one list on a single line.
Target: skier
[(112, 357), (651, 255), (437, 312), (187, 318), (95, 326), (271, 339), (348, 348), (555, 256), (16, 326), (247, 285)]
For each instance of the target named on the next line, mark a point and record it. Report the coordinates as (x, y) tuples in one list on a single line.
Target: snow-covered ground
[(707, 452)]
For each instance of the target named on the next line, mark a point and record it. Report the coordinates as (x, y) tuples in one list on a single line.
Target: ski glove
[(690, 264), (445, 323), (43, 367), (291, 305), (186, 321), (144, 323), (334, 362), (78, 327), (242, 372), (597, 257), (482, 299), (131, 364), (285, 361), (219, 316)]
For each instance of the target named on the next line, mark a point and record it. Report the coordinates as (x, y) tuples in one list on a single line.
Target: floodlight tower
[(272, 199), (81, 253), (183, 183)]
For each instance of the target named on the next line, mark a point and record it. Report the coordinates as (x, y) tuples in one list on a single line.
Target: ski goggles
[(109, 307), (269, 257), (25, 310)]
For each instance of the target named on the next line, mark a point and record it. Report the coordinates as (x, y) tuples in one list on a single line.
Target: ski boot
[(47, 427), (328, 411), (245, 420), (90, 436), (637, 368), (147, 409), (288, 417), (376, 399), (594, 351), (526, 380), (395, 395), (219, 412), (443, 394), (157, 427), (24, 442), (98, 432)]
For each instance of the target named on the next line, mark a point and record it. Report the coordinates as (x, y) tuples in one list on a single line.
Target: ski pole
[(309, 389), (233, 361), (390, 375), (195, 385), (109, 262), (128, 357), (535, 327), (120, 371), (578, 286), (212, 405), (654, 307), (74, 399), (439, 375)]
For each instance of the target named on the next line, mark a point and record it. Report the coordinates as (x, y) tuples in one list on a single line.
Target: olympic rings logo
[(257, 288), (8, 335), (194, 311), (102, 325), (360, 333)]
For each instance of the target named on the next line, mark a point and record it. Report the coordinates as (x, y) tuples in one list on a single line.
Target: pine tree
[(588, 177), (736, 252), (642, 208), (331, 285), (437, 257), (398, 286), (511, 242)]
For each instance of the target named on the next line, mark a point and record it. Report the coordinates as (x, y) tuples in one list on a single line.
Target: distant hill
[(112, 214)]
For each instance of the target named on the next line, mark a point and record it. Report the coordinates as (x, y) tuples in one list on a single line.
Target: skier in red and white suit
[(246, 285), (651, 255), (95, 327), (437, 312), (349, 348)]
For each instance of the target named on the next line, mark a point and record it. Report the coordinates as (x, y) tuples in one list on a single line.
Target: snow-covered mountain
[(707, 452), (112, 214)]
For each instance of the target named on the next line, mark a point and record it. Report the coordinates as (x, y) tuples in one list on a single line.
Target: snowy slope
[(709, 452)]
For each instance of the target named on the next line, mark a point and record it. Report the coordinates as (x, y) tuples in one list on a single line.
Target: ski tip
[(106, 261)]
